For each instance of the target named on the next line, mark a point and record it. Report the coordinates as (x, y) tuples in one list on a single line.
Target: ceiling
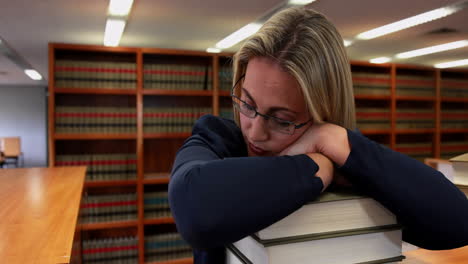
[(28, 26)]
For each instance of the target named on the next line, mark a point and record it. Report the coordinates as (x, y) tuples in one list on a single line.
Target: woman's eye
[(282, 123), (247, 106)]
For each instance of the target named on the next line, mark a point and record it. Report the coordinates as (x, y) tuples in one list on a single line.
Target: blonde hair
[(308, 46)]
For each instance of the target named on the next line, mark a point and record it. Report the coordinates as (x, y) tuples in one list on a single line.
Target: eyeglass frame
[(265, 116)]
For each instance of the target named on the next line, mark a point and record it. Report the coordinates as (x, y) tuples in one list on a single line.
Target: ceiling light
[(347, 43), (120, 7), (114, 31), (213, 50), (433, 49), (300, 2), (452, 64), (380, 60), (238, 36), (33, 74), (409, 22)]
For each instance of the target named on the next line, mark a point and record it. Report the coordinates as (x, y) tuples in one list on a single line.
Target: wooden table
[(38, 213), (422, 256)]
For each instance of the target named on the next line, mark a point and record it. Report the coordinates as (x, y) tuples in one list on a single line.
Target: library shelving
[(124, 113)]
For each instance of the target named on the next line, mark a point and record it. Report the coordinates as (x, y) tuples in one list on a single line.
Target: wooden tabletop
[(38, 213), (422, 256)]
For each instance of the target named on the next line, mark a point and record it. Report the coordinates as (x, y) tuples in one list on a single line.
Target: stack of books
[(341, 227), (460, 172)]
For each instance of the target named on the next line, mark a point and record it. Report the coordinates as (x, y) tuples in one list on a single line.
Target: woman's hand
[(326, 171), (327, 139)]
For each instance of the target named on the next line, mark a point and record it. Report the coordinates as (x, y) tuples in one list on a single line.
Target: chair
[(11, 150), (2, 159)]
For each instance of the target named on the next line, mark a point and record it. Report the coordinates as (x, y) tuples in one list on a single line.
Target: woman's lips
[(255, 150)]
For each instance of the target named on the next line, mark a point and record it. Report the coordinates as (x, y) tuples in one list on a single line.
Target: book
[(460, 169), (463, 188), (334, 211), (367, 245), (234, 256)]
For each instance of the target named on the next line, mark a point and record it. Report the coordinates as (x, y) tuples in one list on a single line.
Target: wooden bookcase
[(134, 107)]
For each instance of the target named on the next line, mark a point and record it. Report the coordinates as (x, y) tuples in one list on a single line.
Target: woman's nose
[(258, 129)]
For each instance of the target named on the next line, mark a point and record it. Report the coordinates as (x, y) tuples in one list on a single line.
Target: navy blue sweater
[(218, 195)]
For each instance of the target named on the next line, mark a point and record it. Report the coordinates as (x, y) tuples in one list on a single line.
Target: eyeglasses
[(274, 123)]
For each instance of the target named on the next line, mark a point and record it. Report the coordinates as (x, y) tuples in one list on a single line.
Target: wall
[(23, 113)]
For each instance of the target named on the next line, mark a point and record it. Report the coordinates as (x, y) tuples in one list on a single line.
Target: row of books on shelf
[(95, 74), (109, 208), (166, 247), (123, 250), (454, 87), (225, 78), (103, 167), (110, 250), (156, 205), (454, 118), (177, 77), (171, 119), (80, 119), (226, 112), (122, 75), (371, 83), (341, 227), (380, 84), (71, 119), (123, 207)]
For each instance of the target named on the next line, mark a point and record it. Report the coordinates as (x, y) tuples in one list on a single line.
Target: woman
[(295, 127)]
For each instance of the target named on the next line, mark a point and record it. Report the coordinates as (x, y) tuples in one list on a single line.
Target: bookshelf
[(124, 113)]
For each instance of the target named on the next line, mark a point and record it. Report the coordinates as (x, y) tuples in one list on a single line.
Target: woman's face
[(271, 91)]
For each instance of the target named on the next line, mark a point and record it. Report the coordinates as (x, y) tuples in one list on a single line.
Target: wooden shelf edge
[(166, 135), (110, 183), (454, 130), (375, 131), (95, 136), (224, 93), (108, 225), (176, 92), (86, 47), (415, 131), (156, 180), (415, 98), (159, 221), (454, 99), (372, 97), (95, 91), (176, 261)]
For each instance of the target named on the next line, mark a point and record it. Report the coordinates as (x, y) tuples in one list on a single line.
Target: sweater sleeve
[(432, 210), (218, 197)]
